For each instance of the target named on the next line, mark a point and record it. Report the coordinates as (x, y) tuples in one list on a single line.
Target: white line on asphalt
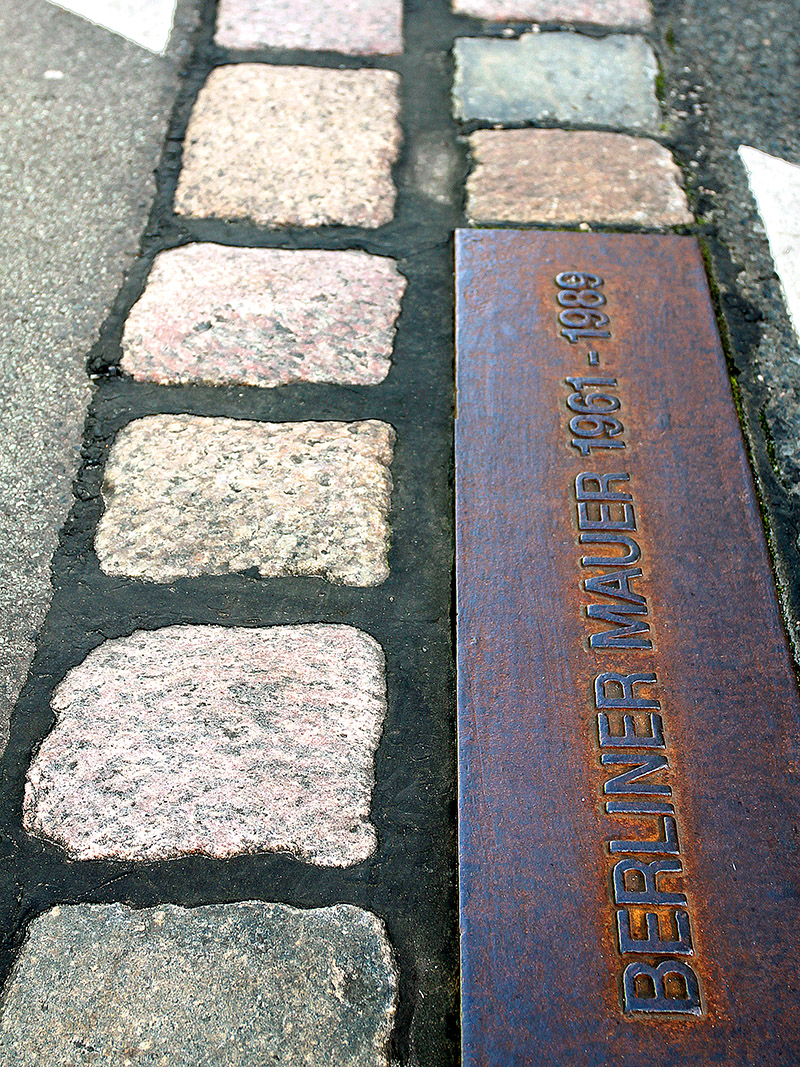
[(145, 22), (776, 187)]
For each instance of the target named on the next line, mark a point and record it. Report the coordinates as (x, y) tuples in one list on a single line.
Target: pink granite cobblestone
[(187, 495), (349, 26), (636, 14), (264, 316), (557, 176), (214, 740), (292, 146)]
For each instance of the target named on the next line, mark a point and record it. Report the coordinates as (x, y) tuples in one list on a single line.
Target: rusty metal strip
[(628, 715)]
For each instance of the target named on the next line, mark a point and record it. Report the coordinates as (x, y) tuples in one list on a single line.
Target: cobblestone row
[(229, 741), (229, 474), (570, 80)]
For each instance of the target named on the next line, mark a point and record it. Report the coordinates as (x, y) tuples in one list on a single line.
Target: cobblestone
[(333, 136), (558, 77), (214, 740), (187, 495), (631, 14), (264, 316), (568, 178), (225, 985), (348, 26)]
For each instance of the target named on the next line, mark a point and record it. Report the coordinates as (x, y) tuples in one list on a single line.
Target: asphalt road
[(83, 114), (732, 75)]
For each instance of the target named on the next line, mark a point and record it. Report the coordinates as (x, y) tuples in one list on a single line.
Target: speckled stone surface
[(264, 316), (349, 26), (187, 495), (635, 14), (292, 146), (215, 740), (556, 176), (558, 77), (226, 985)]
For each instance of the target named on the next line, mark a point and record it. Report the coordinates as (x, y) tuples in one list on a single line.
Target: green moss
[(669, 37), (762, 504), (737, 400), (716, 301)]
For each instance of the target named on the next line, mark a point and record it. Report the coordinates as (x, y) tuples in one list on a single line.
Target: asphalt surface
[(731, 73), (83, 115)]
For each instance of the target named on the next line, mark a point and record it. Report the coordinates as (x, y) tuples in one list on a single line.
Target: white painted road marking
[(145, 22), (776, 187)]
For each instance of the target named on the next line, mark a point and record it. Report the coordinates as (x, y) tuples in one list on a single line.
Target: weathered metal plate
[(628, 717)]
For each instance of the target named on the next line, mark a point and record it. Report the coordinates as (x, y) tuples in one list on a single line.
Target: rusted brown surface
[(541, 960)]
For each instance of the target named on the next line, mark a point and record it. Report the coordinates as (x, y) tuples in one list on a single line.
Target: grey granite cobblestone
[(558, 77), (225, 985)]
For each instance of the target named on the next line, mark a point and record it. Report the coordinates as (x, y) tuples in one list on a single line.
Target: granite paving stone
[(264, 316), (187, 495), (558, 77), (632, 14), (215, 740), (349, 26), (563, 177), (292, 146), (224, 985)]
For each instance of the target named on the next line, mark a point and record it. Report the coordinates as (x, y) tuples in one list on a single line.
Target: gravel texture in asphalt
[(83, 115), (731, 78)]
